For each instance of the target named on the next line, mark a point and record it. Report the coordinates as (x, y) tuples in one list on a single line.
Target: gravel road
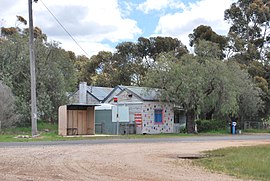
[(114, 161)]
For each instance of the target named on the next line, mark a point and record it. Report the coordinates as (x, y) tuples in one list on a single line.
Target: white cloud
[(204, 12), (151, 5), (91, 48), (94, 22), (90, 22)]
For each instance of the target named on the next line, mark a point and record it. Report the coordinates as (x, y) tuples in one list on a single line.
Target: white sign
[(123, 113)]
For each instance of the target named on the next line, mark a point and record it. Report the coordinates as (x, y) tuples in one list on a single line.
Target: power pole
[(32, 71)]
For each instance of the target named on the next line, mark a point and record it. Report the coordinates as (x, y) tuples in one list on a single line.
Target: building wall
[(103, 122), (126, 96), (148, 123), (146, 110), (76, 121), (62, 120), (89, 99), (91, 120), (135, 107)]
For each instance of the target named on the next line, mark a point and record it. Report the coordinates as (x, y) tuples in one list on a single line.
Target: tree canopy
[(249, 33), (129, 63), (226, 75), (54, 68), (212, 86), (206, 34)]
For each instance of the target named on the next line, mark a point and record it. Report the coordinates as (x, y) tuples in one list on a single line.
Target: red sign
[(115, 99), (138, 119)]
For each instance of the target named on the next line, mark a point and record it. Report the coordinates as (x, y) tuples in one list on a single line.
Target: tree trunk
[(209, 115), (190, 121), (51, 121)]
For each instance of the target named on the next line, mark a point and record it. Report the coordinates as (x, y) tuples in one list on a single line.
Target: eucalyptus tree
[(54, 69), (207, 49), (208, 86), (250, 29), (15, 70), (100, 70), (85, 68), (55, 77), (249, 37), (205, 34), (130, 59)]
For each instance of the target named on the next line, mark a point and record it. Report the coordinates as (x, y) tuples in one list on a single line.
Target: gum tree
[(207, 86)]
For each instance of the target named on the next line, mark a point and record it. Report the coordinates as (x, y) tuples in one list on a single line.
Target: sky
[(99, 25)]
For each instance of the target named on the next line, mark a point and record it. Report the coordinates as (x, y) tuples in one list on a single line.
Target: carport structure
[(76, 119)]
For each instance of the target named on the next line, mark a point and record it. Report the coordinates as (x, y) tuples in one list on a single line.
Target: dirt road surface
[(111, 162)]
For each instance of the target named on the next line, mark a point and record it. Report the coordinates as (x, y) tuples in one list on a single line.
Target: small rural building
[(147, 113), (139, 108), (76, 119)]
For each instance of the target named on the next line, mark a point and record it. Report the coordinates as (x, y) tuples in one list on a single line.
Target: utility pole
[(32, 71), (115, 100)]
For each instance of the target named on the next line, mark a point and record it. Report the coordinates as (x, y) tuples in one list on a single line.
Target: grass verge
[(214, 132), (257, 131), (52, 136), (243, 162), (49, 132)]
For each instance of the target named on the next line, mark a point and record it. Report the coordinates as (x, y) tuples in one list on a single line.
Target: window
[(179, 117), (158, 116), (176, 117)]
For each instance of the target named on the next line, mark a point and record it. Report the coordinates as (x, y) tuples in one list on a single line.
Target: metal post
[(117, 119), (32, 71)]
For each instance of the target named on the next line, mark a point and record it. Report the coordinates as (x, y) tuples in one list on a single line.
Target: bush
[(8, 115), (183, 130), (210, 125)]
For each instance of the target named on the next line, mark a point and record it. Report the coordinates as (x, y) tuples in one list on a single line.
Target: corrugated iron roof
[(145, 93), (99, 92), (115, 91)]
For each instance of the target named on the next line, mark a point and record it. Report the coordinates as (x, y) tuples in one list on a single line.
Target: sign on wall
[(138, 119), (123, 113)]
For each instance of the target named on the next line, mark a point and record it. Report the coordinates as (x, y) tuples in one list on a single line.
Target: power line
[(64, 28)]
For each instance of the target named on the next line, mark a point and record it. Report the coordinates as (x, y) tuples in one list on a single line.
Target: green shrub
[(210, 125), (8, 114), (183, 130)]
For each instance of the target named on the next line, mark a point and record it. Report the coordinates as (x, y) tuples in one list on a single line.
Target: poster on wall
[(138, 119), (123, 113)]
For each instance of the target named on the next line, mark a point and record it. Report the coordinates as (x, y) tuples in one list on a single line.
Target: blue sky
[(101, 25), (148, 18)]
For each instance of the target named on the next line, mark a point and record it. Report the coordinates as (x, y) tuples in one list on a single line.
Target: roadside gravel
[(118, 161)]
